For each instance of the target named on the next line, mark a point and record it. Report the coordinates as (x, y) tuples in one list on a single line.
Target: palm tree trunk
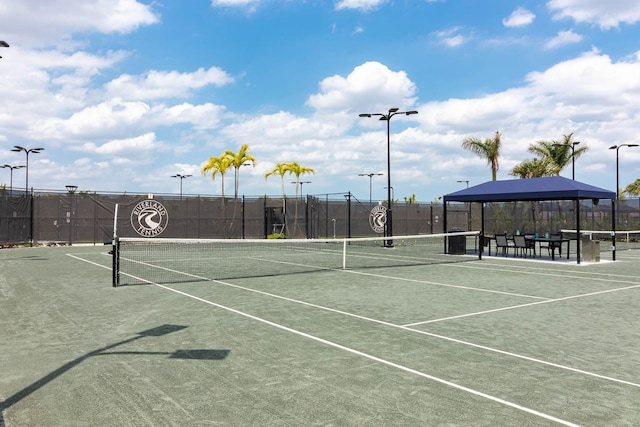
[(284, 207)]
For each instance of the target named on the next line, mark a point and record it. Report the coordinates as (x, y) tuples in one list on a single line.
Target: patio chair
[(531, 245), (503, 243), (519, 245), (550, 245)]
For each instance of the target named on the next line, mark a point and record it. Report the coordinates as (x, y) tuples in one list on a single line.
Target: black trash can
[(457, 244)]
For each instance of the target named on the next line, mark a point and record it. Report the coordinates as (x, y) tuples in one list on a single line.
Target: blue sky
[(123, 94)]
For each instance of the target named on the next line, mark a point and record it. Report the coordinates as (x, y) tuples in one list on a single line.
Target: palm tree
[(217, 165), (410, 200), (558, 153), (534, 168), (488, 149), (298, 170), (238, 160), (280, 169), (632, 189)]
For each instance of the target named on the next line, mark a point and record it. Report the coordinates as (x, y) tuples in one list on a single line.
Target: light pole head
[(71, 188), (364, 115), (408, 113), (393, 109), (18, 148)]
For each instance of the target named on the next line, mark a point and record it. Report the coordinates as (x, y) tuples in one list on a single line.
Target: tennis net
[(156, 260)]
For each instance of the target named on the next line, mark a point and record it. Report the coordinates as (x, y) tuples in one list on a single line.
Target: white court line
[(523, 305), (469, 288), (530, 268), (363, 354), (406, 328), (378, 359), (562, 275)]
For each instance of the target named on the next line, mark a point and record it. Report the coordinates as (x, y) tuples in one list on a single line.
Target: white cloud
[(165, 84), (519, 18), (118, 147), (50, 82), (606, 15), (590, 95), (232, 3), (57, 21), (112, 116), (363, 5), (204, 116), (249, 5), (370, 85), (563, 38), (451, 37), (118, 117), (278, 128), (593, 82)]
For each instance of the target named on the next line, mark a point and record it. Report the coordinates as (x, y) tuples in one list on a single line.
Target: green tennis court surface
[(501, 341)]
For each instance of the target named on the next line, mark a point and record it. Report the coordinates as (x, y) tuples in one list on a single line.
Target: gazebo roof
[(529, 189)]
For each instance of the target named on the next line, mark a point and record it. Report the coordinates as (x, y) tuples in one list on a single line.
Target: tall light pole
[(11, 175), (573, 156), (387, 117), (617, 148), (181, 178), (301, 182), (27, 151), (393, 195), (71, 189), (3, 44), (370, 175)]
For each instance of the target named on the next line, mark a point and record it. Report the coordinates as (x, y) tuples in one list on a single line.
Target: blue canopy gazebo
[(533, 189)]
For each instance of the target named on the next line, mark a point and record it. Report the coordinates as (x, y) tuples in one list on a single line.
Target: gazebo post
[(578, 248), (481, 228), (444, 222)]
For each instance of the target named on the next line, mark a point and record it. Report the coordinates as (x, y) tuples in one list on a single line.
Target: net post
[(115, 251), (115, 263), (480, 245), (344, 254)]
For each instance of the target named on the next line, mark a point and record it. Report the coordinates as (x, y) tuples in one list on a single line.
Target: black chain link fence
[(48, 217)]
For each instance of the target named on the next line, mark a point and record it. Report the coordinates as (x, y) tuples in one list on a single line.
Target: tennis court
[(497, 341)]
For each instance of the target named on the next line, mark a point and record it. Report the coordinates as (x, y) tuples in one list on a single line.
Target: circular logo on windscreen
[(149, 218), (378, 218)]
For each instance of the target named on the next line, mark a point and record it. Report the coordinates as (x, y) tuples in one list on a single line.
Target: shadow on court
[(198, 354)]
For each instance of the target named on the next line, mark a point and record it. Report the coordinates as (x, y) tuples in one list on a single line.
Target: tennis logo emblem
[(378, 218), (149, 218)]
